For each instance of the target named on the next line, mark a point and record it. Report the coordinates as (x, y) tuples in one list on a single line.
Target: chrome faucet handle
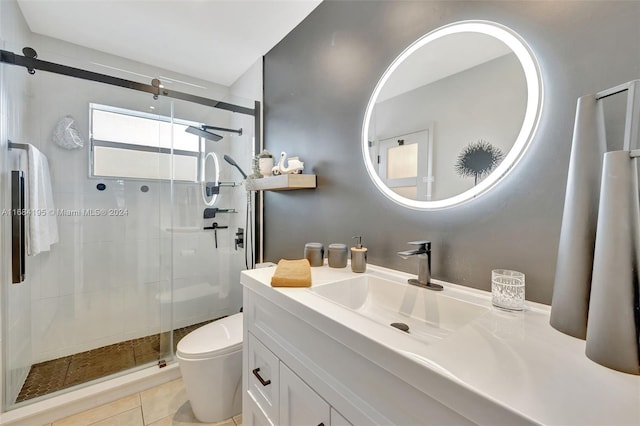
[(424, 265), (424, 245), (407, 253)]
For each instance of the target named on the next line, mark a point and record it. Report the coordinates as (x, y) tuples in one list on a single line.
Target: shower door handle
[(18, 259)]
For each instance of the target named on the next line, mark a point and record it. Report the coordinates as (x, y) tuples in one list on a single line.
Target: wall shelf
[(283, 182)]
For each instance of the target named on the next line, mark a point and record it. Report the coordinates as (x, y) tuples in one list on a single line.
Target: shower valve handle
[(215, 228), (239, 238)]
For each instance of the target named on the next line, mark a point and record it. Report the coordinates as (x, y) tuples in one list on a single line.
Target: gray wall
[(317, 84)]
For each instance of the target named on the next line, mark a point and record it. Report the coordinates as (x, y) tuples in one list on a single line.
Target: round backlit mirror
[(210, 178), (452, 115)]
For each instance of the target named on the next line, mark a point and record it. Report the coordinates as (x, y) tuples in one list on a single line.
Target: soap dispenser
[(358, 256)]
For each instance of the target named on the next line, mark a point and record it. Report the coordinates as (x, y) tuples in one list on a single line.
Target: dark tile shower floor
[(51, 376)]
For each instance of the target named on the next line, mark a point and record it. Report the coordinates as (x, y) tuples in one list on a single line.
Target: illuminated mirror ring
[(204, 183), (532, 111)]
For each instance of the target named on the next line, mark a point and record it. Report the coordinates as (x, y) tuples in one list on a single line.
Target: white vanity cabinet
[(263, 378), (296, 374), (253, 416), (276, 395), (322, 372), (338, 420), (299, 404)]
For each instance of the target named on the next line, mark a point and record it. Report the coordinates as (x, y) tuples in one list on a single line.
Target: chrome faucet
[(423, 252)]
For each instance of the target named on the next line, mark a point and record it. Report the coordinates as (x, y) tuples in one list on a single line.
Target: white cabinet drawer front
[(299, 404), (252, 415), (338, 420), (263, 378)]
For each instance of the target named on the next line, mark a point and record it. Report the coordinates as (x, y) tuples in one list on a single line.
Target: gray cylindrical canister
[(337, 255), (314, 253)]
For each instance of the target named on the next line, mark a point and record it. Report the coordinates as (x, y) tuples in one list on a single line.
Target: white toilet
[(210, 360)]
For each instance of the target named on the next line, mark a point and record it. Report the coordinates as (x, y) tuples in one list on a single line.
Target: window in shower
[(133, 144)]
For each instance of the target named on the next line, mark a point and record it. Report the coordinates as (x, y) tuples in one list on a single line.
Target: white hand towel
[(43, 227)]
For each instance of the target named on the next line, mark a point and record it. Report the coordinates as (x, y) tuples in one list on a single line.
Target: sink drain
[(400, 326)]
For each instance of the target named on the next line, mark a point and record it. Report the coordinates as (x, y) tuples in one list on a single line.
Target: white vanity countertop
[(513, 360)]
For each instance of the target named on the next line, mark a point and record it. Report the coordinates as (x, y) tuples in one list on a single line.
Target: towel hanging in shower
[(43, 227)]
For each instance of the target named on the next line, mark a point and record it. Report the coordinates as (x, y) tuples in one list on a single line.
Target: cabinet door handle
[(263, 382)]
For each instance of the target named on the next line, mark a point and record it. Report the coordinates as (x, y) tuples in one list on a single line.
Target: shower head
[(203, 133), (234, 164)]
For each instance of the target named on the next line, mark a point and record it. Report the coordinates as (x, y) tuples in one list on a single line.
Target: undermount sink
[(429, 315)]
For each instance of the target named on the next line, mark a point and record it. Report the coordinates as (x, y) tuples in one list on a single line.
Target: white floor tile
[(102, 412), (163, 400), (128, 418), (238, 420), (184, 417), (163, 405)]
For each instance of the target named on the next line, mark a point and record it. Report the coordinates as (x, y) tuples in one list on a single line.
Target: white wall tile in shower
[(70, 270), (43, 286), (195, 298), (93, 307), (143, 304), (185, 254), (54, 324), (98, 256)]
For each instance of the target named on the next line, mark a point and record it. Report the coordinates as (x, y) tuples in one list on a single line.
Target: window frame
[(141, 148)]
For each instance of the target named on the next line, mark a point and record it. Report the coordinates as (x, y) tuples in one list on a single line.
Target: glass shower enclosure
[(133, 228)]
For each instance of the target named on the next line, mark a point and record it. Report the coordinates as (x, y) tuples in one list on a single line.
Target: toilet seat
[(217, 338)]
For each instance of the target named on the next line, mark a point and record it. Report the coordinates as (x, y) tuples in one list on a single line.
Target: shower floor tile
[(57, 374), (44, 378), (100, 362)]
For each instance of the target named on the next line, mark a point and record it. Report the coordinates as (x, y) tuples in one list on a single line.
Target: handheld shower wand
[(248, 237), (234, 164)]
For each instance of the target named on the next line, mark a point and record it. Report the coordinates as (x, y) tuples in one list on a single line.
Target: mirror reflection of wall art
[(478, 159), (456, 82)]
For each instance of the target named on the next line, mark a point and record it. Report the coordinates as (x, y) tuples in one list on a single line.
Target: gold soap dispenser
[(358, 256)]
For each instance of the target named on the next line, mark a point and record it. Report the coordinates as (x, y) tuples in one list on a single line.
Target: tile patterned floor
[(164, 405), (51, 376)]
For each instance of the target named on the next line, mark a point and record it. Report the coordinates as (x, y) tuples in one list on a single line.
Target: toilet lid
[(216, 338)]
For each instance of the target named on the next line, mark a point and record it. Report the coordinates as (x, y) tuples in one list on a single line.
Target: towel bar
[(14, 145)]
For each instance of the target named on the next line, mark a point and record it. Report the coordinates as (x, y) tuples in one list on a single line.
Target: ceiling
[(214, 40)]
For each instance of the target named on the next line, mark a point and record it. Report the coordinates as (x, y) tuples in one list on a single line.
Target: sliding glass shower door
[(209, 230), (142, 228), (134, 230), (97, 300)]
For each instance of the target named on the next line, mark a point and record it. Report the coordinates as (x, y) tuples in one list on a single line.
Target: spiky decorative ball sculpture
[(478, 159)]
